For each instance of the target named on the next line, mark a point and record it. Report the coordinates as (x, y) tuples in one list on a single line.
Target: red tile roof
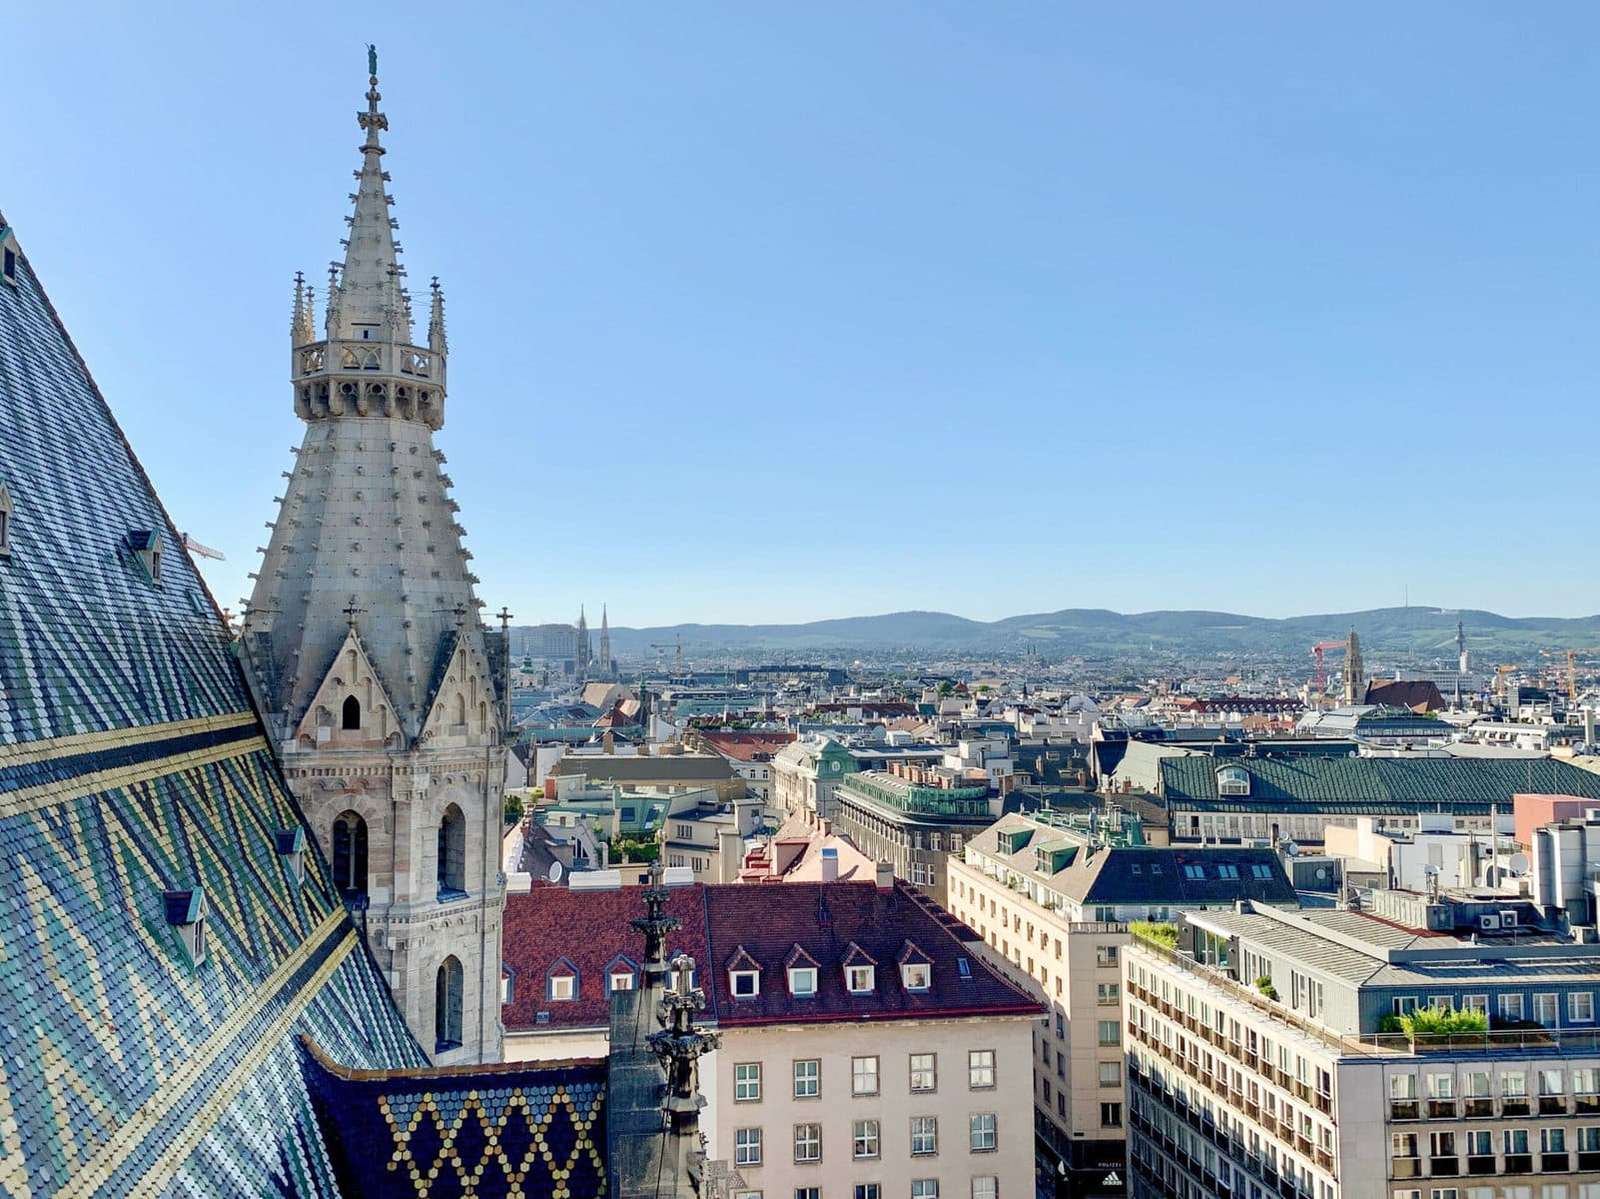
[(827, 921), (744, 745), (545, 926)]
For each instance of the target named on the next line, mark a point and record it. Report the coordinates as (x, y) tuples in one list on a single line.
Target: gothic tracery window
[(452, 852), (350, 854), (447, 990)]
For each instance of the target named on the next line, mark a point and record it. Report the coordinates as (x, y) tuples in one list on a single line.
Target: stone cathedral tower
[(364, 646)]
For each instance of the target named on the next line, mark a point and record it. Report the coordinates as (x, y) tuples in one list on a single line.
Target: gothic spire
[(369, 300), (437, 341)]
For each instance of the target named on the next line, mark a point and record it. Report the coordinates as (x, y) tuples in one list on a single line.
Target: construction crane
[(1572, 672), (205, 551), (1319, 675)]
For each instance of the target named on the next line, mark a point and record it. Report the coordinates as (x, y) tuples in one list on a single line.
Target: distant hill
[(1425, 633)]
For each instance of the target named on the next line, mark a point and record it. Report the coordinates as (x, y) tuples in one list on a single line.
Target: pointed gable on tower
[(351, 706)]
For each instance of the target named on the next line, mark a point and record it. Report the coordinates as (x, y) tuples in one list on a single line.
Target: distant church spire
[(605, 643)]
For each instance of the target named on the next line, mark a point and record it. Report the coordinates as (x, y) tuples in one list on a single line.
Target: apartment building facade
[(866, 1051), (914, 817), (1052, 898), (1300, 1087)]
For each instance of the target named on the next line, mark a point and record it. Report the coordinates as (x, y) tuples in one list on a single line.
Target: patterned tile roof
[(133, 768)]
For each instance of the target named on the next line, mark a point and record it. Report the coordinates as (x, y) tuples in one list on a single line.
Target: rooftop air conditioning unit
[(1508, 919), (1488, 922)]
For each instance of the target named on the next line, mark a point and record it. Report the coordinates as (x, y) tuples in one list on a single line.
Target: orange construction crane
[(1319, 676)]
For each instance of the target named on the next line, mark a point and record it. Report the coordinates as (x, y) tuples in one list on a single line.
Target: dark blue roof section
[(409, 1134)]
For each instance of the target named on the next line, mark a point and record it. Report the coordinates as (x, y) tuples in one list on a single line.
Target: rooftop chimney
[(884, 876)]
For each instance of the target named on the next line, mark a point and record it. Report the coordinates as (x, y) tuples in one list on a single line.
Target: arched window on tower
[(452, 853), (447, 1006), (352, 713), (350, 855)]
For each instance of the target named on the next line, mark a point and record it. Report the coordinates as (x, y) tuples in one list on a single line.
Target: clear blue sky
[(773, 312)]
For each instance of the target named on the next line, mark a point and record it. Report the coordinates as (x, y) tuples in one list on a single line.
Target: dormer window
[(186, 912), (8, 256), (916, 967), (561, 984), (858, 980), (621, 980), (744, 975), (146, 544), (802, 981), (1233, 780), (291, 844)]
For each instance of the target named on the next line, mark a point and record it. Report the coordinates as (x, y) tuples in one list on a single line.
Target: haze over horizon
[(769, 315)]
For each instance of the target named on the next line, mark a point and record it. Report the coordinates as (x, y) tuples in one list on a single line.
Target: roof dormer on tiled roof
[(910, 955), (741, 960), (854, 955), (799, 957)]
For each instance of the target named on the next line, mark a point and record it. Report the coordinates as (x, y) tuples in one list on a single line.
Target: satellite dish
[(1518, 863), (554, 873)]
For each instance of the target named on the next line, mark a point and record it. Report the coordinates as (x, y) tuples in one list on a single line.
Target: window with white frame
[(1107, 994), (1110, 1032), (924, 1071), (746, 983), (858, 980), (864, 1139), (1110, 1074), (808, 1078), (1580, 1007), (868, 1190), (982, 1136), (916, 976), (746, 1082), (864, 1075), (807, 1143), (747, 1146), (980, 1069), (808, 1193), (924, 1136), (924, 1188), (1546, 1009), (1511, 1006), (1111, 1115), (802, 981), (563, 986), (1105, 955), (985, 1186)]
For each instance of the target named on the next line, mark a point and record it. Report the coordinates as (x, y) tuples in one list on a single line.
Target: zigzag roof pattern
[(132, 764)]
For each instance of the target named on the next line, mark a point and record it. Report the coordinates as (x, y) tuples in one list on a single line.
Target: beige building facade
[(1052, 903), (936, 1108)]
